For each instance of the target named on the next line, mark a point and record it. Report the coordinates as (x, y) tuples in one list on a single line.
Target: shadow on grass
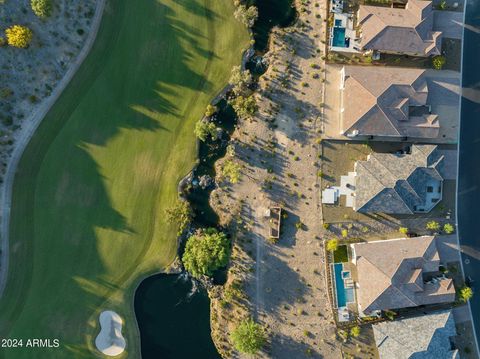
[(62, 198)]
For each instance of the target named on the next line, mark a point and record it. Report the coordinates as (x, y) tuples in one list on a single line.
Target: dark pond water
[(271, 13), (209, 153), (174, 319)]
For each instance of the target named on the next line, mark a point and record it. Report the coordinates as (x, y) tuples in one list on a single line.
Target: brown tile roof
[(386, 101), (396, 30), (390, 274)]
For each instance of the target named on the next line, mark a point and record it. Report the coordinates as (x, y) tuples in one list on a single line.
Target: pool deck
[(342, 309), (345, 21)]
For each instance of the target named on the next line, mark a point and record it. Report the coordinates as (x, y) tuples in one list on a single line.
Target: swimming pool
[(338, 39), (344, 295)]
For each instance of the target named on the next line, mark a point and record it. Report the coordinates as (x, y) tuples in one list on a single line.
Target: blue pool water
[(338, 37), (344, 295), (338, 22)]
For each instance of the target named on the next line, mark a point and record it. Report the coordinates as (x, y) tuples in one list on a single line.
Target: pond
[(209, 153), (173, 315), (271, 13)]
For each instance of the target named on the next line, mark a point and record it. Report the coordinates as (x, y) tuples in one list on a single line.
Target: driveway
[(444, 97), (449, 22)]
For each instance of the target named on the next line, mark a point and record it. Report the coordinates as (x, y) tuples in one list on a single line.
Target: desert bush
[(438, 62), (248, 337), (19, 36), (246, 16)]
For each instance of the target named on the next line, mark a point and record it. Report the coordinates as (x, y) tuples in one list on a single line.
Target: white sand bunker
[(110, 340)]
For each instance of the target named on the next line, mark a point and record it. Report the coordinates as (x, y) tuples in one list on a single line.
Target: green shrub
[(465, 294), (19, 36), (448, 228), (204, 129), (205, 252), (355, 331), (248, 337), (41, 8), (231, 170), (180, 214), (332, 245), (211, 110), (438, 62), (433, 226), (403, 230)]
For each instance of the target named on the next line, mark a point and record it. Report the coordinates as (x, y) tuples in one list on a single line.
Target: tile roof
[(391, 274), (422, 337), (397, 30), (386, 102), (396, 183)]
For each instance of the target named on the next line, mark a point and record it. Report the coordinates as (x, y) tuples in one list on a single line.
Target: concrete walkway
[(31, 124)]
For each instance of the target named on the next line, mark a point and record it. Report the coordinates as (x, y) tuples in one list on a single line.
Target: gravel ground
[(285, 284)]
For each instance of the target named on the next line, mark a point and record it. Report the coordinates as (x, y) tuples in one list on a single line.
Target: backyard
[(338, 159), (89, 197)]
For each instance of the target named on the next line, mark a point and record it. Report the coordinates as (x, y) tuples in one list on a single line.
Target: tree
[(180, 214), (41, 8), (332, 245), (465, 294), (203, 129), (403, 230), (211, 110), (245, 107), (344, 233), (240, 80), (438, 62), (248, 337), (246, 16), (205, 252), (19, 36), (448, 228), (355, 331), (433, 226), (231, 170)]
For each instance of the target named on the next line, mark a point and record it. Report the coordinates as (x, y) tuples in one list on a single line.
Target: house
[(399, 183), (406, 31), (399, 273), (386, 102), (423, 337), (394, 183)]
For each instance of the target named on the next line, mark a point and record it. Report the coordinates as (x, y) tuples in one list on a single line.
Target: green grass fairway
[(91, 189)]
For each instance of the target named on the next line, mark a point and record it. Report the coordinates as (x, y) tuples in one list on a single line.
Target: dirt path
[(31, 124)]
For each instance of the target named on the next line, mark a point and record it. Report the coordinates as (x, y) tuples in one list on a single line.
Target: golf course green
[(87, 221)]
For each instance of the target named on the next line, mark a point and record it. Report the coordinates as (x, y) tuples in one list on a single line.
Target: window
[(429, 189)]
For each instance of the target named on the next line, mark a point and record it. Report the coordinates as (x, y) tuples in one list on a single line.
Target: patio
[(331, 194)]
